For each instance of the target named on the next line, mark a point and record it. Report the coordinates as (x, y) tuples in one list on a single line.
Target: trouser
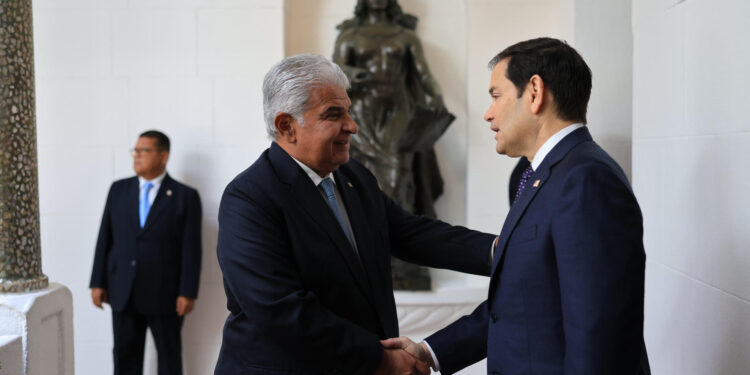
[(129, 328)]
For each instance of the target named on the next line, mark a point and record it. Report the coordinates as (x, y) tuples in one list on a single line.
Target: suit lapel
[(535, 184), (133, 199), (309, 198), (360, 226), (163, 199), (517, 210)]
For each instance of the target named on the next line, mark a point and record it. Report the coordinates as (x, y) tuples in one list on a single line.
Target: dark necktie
[(524, 179), (330, 191)]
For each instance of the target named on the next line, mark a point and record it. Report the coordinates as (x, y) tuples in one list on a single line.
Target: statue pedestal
[(43, 320), (422, 313)]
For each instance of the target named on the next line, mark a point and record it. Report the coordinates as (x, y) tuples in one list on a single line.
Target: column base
[(24, 285), (43, 319)]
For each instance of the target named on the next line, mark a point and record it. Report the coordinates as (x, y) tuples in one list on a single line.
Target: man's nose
[(351, 126), (488, 115)]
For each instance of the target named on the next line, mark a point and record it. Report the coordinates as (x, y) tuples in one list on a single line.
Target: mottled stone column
[(20, 251)]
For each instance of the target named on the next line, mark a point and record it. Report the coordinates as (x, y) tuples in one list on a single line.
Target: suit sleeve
[(262, 280), (462, 343), (103, 246), (433, 243), (191, 247), (598, 241)]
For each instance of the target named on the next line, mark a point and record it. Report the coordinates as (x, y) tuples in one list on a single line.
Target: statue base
[(409, 276)]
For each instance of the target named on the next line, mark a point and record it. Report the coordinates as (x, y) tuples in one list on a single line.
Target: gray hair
[(288, 85)]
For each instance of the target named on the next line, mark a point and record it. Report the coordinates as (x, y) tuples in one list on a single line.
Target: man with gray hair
[(306, 236)]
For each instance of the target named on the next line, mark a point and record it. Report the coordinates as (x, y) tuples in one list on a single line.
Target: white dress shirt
[(551, 142), (316, 180)]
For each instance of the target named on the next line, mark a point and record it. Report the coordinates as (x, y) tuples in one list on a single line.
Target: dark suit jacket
[(299, 300), (159, 261), (566, 291)]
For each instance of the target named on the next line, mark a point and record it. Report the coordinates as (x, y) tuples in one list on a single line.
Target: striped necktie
[(330, 191), (524, 179)]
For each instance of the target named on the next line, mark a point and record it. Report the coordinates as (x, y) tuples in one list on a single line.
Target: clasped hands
[(403, 356)]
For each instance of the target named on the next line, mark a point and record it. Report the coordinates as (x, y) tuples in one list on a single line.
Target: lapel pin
[(536, 183), (169, 192), (350, 184)]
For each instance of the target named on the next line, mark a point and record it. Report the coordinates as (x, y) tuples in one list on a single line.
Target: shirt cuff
[(493, 247), (434, 357)]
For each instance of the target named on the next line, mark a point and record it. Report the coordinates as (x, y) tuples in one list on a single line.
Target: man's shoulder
[(589, 160), (260, 173), (182, 186), (355, 170), (591, 155), (123, 183)]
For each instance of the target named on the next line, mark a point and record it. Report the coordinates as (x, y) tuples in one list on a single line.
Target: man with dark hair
[(306, 236), (566, 290), (148, 258), (162, 141)]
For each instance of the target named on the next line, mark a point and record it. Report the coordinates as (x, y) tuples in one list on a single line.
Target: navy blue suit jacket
[(566, 291), (299, 300), (159, 261)]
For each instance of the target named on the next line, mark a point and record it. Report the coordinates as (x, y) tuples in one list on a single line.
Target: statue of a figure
[(399, 109)]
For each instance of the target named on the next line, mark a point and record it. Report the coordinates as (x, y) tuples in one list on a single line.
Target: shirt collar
[(551, 143), (156, 182), (316, 179)]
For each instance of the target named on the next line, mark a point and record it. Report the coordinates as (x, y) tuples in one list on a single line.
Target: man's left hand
[(185, 305)]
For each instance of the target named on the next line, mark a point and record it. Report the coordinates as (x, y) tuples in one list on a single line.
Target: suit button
[(132, 263), (493, 317)]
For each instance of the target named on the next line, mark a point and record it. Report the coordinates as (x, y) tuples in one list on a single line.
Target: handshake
[(405, 357)]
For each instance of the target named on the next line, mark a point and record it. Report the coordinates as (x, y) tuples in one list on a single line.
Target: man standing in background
[(148, 258)]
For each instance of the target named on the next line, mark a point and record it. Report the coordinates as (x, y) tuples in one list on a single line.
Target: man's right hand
[(99, 296), (418, 351), (399, 362)]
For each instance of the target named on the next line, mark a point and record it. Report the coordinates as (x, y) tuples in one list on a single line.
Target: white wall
[(107, 70), (691, 140), (603, 36)]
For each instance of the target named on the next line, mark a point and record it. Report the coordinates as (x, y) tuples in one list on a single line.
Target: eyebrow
[(332, 110)]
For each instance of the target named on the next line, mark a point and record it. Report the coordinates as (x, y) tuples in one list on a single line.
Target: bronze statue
[(399, 109)]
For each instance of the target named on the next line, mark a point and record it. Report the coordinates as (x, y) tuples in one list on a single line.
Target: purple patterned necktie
[(522, 184)]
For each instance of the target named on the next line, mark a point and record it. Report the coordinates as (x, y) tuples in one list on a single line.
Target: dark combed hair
[(561, 67), (162, 141)]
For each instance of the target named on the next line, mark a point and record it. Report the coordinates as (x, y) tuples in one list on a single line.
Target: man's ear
[(164, 158), (283, 123), (537, 93)]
